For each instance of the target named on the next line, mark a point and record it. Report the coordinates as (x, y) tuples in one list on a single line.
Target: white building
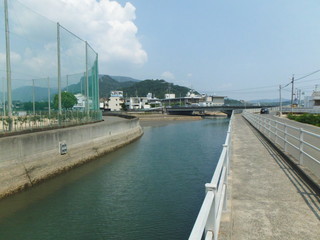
[(209, 101), (308, 102), (81, 101), (191, 94), (316, 99), (115, 101), (135, 103), (312, 101), (169, 96), (114, 104)]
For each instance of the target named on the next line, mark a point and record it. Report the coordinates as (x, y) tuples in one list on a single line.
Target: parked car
[(264, 111)]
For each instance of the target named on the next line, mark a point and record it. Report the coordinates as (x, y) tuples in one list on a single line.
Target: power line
[(307, 75)]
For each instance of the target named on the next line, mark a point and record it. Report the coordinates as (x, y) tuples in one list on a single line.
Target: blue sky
[(241, 49)]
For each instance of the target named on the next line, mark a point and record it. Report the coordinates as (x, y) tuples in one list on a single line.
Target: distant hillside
[(268, 100), (108, 84), (157, 87), (139, 88), (124, 79)]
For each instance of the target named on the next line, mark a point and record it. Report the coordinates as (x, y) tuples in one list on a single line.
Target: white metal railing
[(303, 145), (208, 221)]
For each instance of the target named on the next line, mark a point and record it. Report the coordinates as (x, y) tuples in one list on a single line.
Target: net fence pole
[(59, 67), (97, 82), (3, 97), (87, 80), (33, 99), (8, 63), (49, 102)]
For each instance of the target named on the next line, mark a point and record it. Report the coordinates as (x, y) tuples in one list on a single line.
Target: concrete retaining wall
[(29, 158)]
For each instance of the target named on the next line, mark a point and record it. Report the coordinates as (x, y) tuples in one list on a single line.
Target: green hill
[(157, 87), (108, 84), (139, 88)]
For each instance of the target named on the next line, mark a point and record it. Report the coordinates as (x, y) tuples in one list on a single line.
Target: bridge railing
[(208, 221), (299, 143)]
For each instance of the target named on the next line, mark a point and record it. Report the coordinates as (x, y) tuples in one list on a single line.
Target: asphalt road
[(310, 139)]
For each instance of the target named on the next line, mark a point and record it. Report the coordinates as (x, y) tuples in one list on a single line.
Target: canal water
[(150, 189)]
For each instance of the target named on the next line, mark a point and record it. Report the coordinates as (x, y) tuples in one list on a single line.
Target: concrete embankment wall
[(29, 158)]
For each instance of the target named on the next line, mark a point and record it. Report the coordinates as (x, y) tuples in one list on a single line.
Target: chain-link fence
[(46, 71)]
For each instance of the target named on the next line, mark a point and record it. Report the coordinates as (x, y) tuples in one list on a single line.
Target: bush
[(308, 118)]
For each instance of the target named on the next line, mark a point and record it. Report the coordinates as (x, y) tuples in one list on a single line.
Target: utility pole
[(280, 101), (67, 83), (292, 87)]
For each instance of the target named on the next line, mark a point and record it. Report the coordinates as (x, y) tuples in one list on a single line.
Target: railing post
[(285, 137), (276, 133), (301, 147), (211, 222), (225, 146)]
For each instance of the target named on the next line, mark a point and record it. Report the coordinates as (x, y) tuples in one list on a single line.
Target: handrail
[(208, 221), (297, 138)]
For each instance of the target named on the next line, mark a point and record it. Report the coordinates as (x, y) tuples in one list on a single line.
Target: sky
[(239, 49)]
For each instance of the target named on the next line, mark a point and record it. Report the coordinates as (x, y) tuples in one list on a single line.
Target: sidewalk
[(267, 199)]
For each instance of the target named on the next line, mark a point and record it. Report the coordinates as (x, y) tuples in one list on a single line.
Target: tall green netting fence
[(41, 61)]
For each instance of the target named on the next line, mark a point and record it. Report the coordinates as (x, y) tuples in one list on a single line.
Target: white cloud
[(189, 75), (168, 75), (107, 26)]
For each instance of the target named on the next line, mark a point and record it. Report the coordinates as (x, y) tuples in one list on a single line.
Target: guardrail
[(208, 221), (302, 110), (302, 145)]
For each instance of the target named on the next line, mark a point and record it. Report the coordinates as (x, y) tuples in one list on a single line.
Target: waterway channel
[(150, 189)]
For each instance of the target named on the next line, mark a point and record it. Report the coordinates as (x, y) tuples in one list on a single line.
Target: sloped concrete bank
[(30, 158)]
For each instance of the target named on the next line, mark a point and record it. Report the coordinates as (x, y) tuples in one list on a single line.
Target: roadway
[(267, 198), (293, 153)]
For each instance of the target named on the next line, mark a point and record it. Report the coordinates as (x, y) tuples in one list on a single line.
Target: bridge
[(190, 110), (266, 184)]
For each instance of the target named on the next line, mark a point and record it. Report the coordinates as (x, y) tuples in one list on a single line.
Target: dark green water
[(151, 189)]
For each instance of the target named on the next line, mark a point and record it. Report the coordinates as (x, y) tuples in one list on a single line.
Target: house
[(81, 102), (135, 103), (115, 101)]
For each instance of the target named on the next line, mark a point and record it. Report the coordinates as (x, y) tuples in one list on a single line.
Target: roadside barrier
[(299, 143)]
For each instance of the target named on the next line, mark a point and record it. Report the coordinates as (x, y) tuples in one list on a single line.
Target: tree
[(124, 107), (68, 100)]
